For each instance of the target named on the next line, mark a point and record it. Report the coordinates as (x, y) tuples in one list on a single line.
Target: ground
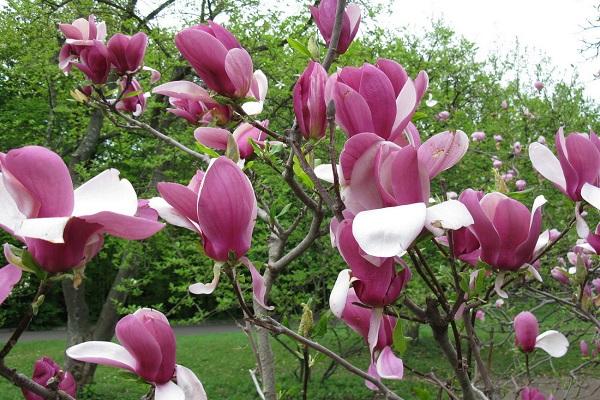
[(222, 359)]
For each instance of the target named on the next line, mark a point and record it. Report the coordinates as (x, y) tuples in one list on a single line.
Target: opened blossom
[(193, 103), (45, 373), (529, 393), (222, 63), (506, 230), (133, 99), (243, 135), (64, 228), (528, 338), (148, 350), (79, 34), (324, 16), (577, 165), (220, 206), (387, 187), (378, 98), (309, 101)]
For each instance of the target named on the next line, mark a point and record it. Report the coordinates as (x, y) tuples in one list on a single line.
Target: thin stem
[(527, 368), (333, 153), (335, 35), (306, 372), (560, 236), (25, 320)]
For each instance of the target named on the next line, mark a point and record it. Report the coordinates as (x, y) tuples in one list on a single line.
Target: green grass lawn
[(222, 362)]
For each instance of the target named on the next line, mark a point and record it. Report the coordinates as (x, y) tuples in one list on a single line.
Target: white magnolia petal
[(498, 285), (50, 229), (104, 353), (552, 342), (189, 383), (450, 214), (169, 391), (542, 242), (170, 214), (253, 107), (374, 325), (10, 215), (546, 163), (583, 230), (386, 232), (531, 269), (208, 288), (105, 192), (324, 172), (591, 194), (339, 293)]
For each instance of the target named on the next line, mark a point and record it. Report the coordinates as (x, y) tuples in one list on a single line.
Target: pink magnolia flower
[(517, 148), (61, 227), (126, 53), (506, 230), (148, 350), (79, 34), (220, 206), (584, 348), (380, 198), (538, 85), (496, 163), (375, 327), (193, 103), (133, 99), (578, 164), (478, 136), (498, 138), (94, 62), (504, 104), (375, 280), (309, 101), (507, 177), (541, 139), (442, 116), (217, 138), (528, 338), (221, 62), (324, 16), (521, 185), (378, 98), (465, 245), (480, 315), (45, 372), (529, 393)]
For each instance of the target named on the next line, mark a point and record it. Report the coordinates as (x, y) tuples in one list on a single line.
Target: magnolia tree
[(377, 192)]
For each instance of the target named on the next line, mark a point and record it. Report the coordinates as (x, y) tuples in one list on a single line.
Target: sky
[(552, 28), (546, 28)]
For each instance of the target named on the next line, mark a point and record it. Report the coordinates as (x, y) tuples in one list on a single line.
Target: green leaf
[(284, 210), (400, 341), (207, 150), (304, 178), (299, 47)]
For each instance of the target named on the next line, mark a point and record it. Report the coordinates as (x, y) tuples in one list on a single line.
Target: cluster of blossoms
[(122, 55)]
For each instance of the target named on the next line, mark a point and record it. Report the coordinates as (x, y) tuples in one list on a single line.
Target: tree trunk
[(78, 328)]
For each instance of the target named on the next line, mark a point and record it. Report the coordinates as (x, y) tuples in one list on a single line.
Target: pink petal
[(189, 383), (259, 289), (181, 198), (10, 275), (183, 90), (215, 138), (124, 226), (443, 151), (46, 178), (238, 66), (388, 365), (377, 90)]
